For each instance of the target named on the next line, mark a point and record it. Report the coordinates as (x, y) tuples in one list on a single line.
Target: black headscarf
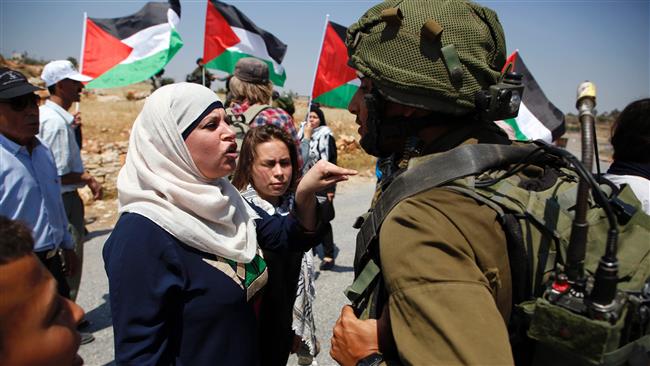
[(319, 113)]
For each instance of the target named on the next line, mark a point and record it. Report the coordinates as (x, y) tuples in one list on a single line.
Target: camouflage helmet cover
[(409, 55)]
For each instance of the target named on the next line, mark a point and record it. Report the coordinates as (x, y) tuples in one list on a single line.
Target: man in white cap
[(57, 130)]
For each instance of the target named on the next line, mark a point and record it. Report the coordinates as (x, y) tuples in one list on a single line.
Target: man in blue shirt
[(30, 189)]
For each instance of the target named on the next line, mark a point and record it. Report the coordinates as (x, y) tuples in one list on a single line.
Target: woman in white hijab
[(182, 261)]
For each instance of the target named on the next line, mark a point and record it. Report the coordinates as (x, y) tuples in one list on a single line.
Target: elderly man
[(57, 130), (30, 189)]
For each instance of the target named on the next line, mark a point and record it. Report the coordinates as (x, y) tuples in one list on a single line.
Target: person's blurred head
[(285, 103), (631, 133), (37, 325), (18, 107), (316, 117), (199, 61), (250, 82), (268, 161), (64, 81)]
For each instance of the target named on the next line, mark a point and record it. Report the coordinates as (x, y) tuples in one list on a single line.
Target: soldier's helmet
[(430, 54)]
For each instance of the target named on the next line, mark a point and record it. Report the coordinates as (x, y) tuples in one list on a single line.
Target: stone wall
[(104, 162)]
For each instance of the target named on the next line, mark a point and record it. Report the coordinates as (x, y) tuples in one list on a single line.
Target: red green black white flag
[(335, 81), (130, 49), (538, 118), (230, 35)]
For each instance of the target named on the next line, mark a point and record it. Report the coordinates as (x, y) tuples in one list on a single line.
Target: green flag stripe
[(338, 97), (134, 72), (227, 60), (512, 122)]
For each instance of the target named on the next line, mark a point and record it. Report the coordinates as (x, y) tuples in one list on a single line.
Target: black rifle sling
[(440, 169)]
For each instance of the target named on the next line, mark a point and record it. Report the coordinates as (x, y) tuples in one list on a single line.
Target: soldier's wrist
[(374, 359)]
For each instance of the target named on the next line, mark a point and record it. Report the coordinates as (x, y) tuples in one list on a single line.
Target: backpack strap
[(462, 161), (252, 112), (241, 122)]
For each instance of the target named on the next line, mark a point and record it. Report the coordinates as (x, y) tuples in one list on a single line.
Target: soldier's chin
[(369, 145)]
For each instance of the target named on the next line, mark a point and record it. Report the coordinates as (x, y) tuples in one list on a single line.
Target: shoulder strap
[(253, 111), (462, 161)]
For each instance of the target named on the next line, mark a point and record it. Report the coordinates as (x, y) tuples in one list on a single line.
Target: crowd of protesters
[(200, 268), (186, 239)]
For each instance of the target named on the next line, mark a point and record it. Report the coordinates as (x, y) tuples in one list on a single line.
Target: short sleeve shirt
[(30, 192), (57, 133)]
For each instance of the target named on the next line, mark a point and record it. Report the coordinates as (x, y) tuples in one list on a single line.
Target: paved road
[(352, 199)]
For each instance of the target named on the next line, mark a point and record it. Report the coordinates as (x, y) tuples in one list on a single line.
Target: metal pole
[(578, 240), (313, 80), (83, 44)]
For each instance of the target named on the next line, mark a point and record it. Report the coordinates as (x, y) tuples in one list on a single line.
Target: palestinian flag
[(335, 81), (127, 50), (230, 35), (538, 118)]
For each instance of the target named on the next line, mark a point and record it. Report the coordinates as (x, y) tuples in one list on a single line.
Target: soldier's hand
[(353, 339)]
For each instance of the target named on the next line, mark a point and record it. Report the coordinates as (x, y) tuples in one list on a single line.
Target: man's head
[(64, 81), (250, 82), (37, 325), (432, 57), (18, 107), (199, 61)]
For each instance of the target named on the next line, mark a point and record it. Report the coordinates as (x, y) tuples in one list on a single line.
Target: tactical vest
[(536, 213), (241, 122)]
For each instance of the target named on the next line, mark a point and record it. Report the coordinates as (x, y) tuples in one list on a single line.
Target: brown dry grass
[(108, 118)]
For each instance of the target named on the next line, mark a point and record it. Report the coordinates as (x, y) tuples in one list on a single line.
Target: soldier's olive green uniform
[(441, 267), (445, 265), (444, 261)]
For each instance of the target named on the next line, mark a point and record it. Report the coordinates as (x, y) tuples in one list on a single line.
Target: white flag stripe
[(148, 42), (172, 18), (530, 126), (252, 44)]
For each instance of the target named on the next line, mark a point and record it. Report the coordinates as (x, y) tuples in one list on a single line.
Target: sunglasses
[(20, 103)]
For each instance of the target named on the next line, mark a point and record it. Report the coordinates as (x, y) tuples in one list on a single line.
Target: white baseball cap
[(56, 71)]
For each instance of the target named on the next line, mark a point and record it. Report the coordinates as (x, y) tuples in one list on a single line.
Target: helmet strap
[(370, 140), (412, 148)]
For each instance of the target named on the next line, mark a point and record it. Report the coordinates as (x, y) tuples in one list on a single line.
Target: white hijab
[(161, 182)]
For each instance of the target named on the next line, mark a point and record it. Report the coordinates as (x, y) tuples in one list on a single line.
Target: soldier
[(201, 75), (444, 292)]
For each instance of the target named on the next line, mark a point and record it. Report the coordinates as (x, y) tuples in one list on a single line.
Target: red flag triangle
[(102, 51), (333, 70), (218, 34)]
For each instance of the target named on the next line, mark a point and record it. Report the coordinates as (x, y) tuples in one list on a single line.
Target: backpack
[(241, 122), (536, 215)]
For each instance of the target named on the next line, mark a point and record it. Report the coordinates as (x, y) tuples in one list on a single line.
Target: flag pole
[(83, 43), (81, 56), (313, 80)]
